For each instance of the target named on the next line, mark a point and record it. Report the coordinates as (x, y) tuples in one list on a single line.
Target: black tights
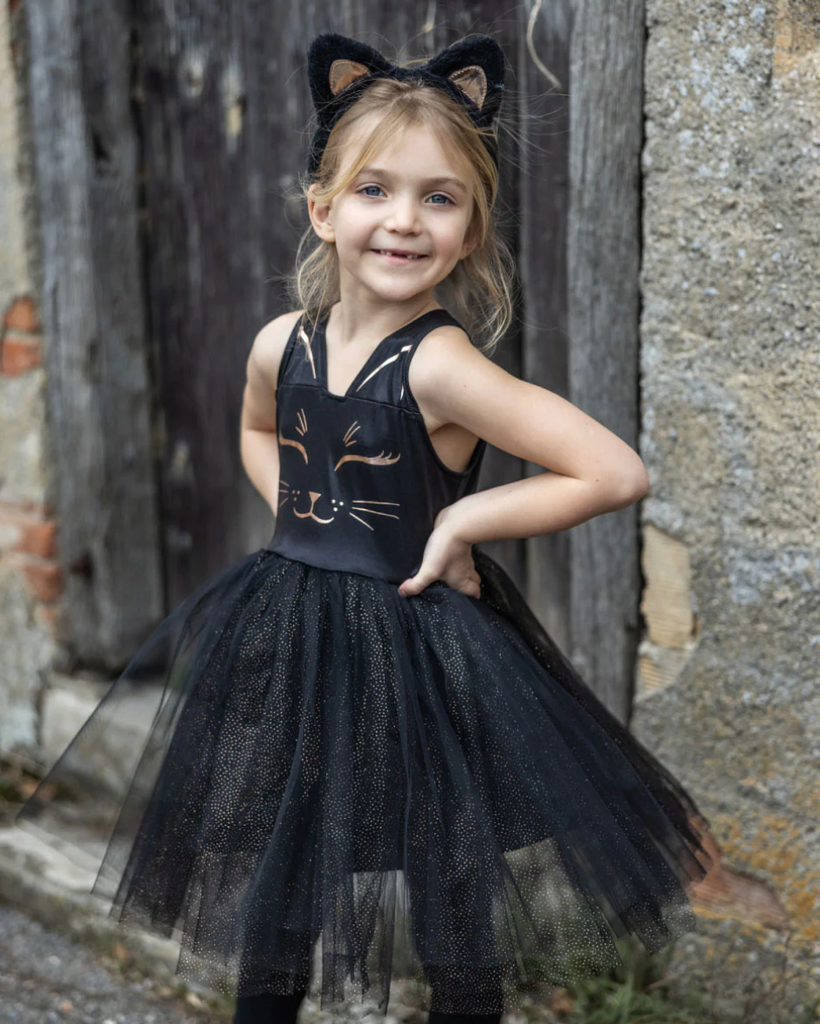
[(273, 1008), (269, 1008)]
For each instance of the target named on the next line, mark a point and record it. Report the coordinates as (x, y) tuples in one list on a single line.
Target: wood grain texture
[(606, 60), (544, 176), (86, 186)]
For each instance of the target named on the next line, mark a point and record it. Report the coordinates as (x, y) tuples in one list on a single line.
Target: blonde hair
[(482, 287)]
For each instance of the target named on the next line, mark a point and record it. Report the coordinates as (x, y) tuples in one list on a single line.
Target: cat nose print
[(314, 495)]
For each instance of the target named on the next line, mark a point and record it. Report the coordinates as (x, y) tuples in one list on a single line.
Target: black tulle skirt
[(341, 786)]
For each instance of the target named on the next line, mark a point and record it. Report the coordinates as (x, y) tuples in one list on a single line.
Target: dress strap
[(436, 318), (298, 362)]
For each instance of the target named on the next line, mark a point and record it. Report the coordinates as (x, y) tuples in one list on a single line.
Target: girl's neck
[(359, 317)]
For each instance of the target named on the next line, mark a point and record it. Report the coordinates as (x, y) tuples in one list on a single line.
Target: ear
[(319, 214), (473, 81), (476, 65), (343, 73), (335, 62)]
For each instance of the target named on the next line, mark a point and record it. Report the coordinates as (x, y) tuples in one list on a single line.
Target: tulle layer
[(341, 785)]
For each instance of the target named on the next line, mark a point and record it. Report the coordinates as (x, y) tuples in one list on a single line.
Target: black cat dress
[(341, 785)]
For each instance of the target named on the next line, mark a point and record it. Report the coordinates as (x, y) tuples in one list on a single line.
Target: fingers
[(469, 585), (472, 587), (415, 584)]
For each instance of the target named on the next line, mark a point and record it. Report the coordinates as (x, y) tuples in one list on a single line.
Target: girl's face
[(411, 198)]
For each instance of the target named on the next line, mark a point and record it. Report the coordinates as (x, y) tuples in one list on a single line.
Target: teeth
[(387, 252)]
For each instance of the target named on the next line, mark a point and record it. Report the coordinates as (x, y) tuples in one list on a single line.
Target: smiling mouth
[(398, 257)]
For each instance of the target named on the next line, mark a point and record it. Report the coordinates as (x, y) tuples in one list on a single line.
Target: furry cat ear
[(343, 72), (476, 66), (336, 61), (473, 81)]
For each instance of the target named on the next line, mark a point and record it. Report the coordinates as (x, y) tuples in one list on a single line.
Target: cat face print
[(336, 493)]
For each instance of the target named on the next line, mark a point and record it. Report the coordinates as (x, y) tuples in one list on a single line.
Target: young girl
[(368, 758)]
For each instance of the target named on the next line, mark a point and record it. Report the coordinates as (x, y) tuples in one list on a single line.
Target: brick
[(39, 539), (20, 355), (27, 531), (21, 315), (43, 580)]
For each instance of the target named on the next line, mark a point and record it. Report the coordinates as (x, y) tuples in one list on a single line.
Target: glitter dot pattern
[(339, 786)]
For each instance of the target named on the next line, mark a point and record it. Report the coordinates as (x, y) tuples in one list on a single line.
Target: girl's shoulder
[(270, 343), (442, 353)]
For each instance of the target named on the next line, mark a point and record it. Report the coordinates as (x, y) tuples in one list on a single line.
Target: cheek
[(449, 238)]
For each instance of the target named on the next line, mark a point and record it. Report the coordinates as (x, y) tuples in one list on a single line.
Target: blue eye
[(363, 190)]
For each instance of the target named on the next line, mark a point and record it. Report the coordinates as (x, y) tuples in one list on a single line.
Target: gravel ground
[(47, 978)]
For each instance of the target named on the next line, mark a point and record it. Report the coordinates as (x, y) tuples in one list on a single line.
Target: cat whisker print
[(351, 430), (375, 460), (302, 428), (374, 511)]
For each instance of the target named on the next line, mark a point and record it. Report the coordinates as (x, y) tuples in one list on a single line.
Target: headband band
[(470, 71)]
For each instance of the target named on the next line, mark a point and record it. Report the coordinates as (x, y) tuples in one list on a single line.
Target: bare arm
[(593, 471), (258, 443)]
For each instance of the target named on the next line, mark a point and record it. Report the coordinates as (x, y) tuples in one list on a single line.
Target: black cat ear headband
[(471, 71)]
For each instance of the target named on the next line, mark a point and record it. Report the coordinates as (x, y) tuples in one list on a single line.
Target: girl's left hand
[(446, 557)]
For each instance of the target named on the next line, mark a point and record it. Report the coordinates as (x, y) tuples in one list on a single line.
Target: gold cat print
[(301, 429), (387, 362), (308, 350), (364, 506)]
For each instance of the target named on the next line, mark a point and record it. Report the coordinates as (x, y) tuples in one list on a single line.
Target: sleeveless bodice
[(360, 482)]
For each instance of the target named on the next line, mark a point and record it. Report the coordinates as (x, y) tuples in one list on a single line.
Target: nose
[(403, 215)]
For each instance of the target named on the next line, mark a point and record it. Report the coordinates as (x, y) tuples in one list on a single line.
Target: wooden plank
[(606, 58), (220, 106), (543, 263), (86, 182)]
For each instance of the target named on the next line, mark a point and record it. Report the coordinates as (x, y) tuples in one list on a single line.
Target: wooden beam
[(606, 117), (543, 42), (86, 188)]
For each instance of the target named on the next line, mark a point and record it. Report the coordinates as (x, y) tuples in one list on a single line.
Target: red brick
[(27, 531), (20, 355), (22, 316), (44, 580), (39, 539)]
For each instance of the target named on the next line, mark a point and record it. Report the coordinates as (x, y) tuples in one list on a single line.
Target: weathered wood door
[(165, 136)]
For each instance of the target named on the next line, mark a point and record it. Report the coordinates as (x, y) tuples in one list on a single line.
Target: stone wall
[(727, 689), (30, 581)]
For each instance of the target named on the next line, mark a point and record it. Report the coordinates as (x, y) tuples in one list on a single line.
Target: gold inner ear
[(343, 72), (473, 81)]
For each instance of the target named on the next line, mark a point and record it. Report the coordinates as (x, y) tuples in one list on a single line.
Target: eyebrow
[(380, 172)]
